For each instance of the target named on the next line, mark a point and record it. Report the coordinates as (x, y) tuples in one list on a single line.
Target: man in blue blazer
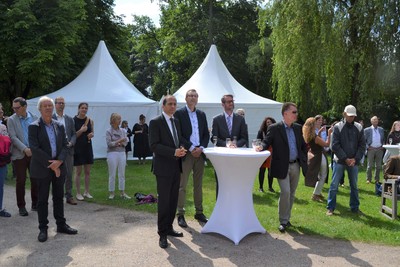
[(70, 132), (165, 142), (289, 153), (374, 139), (195, 137), (49, 151)]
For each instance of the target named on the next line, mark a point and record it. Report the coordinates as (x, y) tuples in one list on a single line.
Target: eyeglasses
[(294, 112), (16, 108), (60, 103), (229, 101)]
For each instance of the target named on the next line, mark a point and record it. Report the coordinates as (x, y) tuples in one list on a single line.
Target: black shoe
[(42, 237), (174, 233), (23, 212), (271, 190), (282, 228), (261, 190), (66, 229), (181, 221), (358, 212), (34, 208), (163, 242), (201, 218), (288, 225)]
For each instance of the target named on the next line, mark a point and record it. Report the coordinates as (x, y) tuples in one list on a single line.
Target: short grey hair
[(42, 99)]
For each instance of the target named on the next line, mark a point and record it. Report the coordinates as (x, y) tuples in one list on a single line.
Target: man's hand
[(180, 152), (350, 162), (259, 148), (55, 166), (196, 152), (28, 152)]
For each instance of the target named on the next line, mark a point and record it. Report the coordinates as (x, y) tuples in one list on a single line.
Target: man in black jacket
[(48, 144), (165, 139), (348, 146), (289, 154)]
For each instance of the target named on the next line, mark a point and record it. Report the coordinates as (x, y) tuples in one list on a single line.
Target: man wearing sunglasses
[(289, 154)]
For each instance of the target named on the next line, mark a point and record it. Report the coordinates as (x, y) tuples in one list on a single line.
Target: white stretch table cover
[(234, 215), (393, 149)]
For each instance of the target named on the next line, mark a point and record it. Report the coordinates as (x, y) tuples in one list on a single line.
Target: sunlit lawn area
[(308, 217)]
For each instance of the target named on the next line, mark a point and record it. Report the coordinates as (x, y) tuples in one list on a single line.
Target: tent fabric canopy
[(212, 80), (104, 87)]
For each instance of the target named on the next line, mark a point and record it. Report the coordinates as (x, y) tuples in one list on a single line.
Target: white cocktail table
[(393, 149), (233, 215)]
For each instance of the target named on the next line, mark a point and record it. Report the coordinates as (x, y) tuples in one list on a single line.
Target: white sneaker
[(87, 195), (79, 197), (125, 196), (111, 196)]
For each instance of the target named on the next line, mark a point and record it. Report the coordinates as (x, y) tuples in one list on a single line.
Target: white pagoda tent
[(212, 80), (104, 87)]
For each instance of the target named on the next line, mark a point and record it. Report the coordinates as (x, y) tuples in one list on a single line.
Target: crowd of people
[(48, 148)]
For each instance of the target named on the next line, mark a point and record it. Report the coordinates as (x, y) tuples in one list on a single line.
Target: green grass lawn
[(308, 217)]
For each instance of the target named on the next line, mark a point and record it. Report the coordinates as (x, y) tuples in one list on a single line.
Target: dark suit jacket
[(39, 143), (70, 131), (277, 138), (239, 129), (163, 146), (182, 116)]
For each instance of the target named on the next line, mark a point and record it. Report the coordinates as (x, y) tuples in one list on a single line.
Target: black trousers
[(57, 186), (168, 191)]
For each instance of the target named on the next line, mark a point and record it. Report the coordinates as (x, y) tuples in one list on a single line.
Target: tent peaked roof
[(212, 80), (101, 83)]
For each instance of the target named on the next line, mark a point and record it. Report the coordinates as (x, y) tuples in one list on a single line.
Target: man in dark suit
[(289, 154), (229, 125), (165, 139), (49, 150), (195, 138), (69, 126)]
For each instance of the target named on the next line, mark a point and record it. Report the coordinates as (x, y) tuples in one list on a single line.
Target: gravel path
[(111, 236)]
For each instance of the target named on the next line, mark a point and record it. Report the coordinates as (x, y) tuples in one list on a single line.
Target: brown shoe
[(71, 201), (316, 198)]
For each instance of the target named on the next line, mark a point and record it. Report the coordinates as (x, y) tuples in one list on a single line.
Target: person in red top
[(267, 163)]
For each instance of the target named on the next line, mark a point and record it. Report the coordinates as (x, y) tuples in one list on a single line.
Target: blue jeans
[(338, 172), (3, 174)]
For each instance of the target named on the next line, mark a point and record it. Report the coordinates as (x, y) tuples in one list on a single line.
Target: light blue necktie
[(229, 123)]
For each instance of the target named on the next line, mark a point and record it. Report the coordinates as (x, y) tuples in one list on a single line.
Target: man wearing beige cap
[(348, 146)]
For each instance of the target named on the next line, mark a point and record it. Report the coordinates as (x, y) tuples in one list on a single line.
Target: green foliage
[(169, 56), (328, 54), (46, 44), (35, 37), (259, 61)]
